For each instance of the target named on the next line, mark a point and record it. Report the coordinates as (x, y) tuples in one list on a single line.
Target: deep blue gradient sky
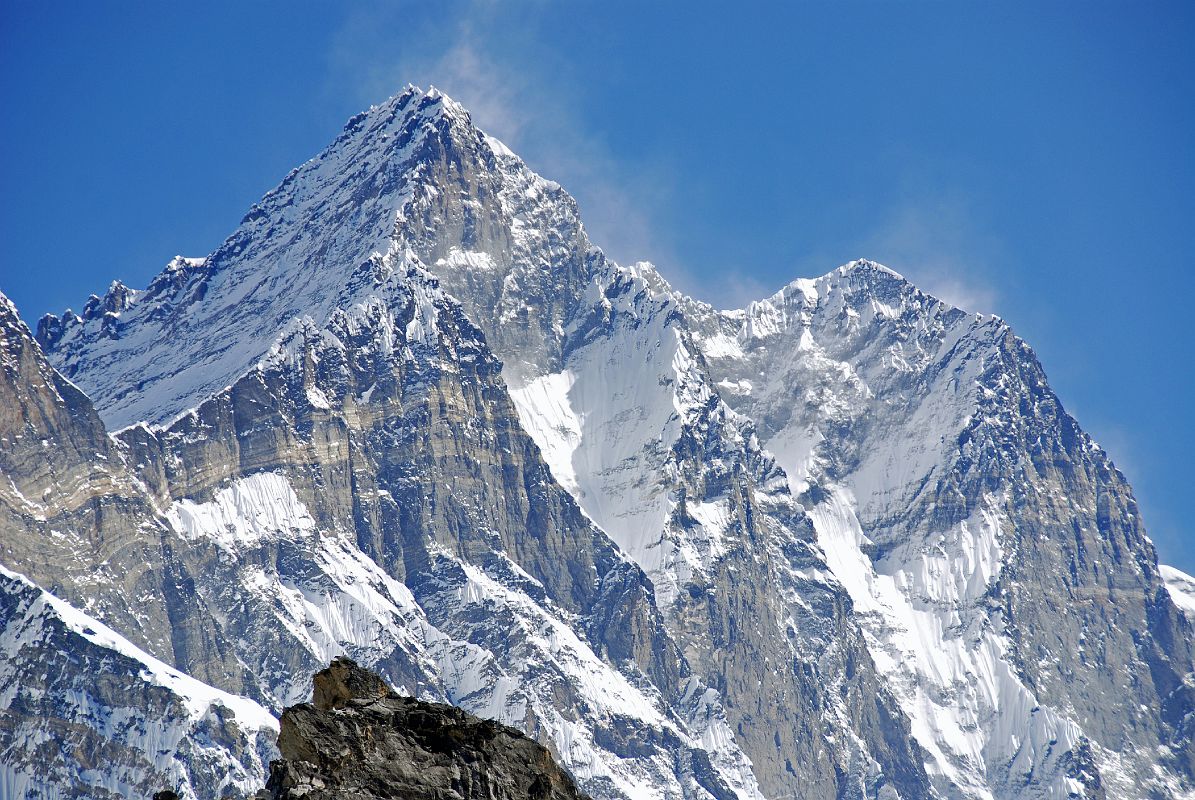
[(1032, 160)]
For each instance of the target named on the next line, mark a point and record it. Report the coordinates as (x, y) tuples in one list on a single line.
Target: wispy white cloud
[(483, 54), (939, 245), (487, 55)]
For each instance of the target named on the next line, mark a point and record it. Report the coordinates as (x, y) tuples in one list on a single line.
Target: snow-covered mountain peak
[(8, 312), (447, 105), (392, 114), (867, 266), (646, 271), (409, 410), (310, 246)]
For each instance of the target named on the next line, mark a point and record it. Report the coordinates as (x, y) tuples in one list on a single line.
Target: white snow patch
[(261, 506), (1181, 587), (547, 416), (468, 259)]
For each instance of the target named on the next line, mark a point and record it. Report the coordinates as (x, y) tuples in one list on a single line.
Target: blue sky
[(1032, 160)]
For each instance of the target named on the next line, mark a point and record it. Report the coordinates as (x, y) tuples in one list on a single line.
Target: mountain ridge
[(416, 310)]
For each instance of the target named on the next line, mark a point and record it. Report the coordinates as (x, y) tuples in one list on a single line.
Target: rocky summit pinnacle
[(360, 740), (844, 542)]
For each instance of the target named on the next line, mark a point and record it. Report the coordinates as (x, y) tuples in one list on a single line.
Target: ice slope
[(608, 424), (1181, 587), (245, 512), (66, 679), (969, 708)]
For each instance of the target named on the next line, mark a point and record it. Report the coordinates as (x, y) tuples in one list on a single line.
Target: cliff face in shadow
[(359, 739)]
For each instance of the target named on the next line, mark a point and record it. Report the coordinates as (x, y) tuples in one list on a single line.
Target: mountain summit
[(301, 252), (845, 542)]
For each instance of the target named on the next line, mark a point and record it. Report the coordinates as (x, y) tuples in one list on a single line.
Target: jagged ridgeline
[(845, 542)]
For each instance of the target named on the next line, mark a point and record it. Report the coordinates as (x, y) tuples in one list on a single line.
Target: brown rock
[(361, 740)]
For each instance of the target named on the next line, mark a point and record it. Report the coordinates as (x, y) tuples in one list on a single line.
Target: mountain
[(994, 555), (90, 715), (844, 542), (86, 711)]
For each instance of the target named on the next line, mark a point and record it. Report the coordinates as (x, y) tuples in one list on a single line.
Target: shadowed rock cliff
[(358, 739)]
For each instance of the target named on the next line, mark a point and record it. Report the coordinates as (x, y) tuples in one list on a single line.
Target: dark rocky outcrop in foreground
[(358, 739)]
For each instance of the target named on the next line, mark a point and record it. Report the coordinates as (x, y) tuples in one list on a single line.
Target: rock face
[(74, 517), (87, 711), (358, 739), (842, 543), (89, 715)]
